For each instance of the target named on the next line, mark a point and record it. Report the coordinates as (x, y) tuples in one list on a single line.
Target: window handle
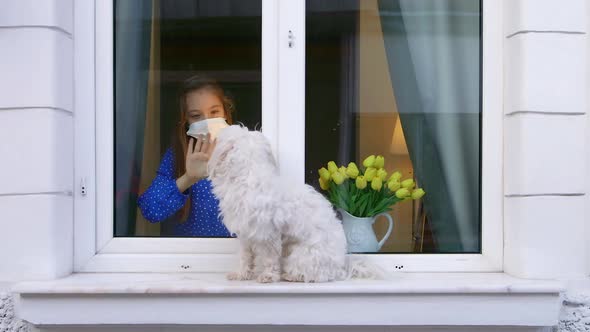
[(291, 39), (83, 187)]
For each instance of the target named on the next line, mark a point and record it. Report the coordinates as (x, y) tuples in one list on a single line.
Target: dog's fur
[(286, 230)]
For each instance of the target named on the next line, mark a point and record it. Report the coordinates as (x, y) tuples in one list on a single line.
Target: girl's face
[(203, 104)]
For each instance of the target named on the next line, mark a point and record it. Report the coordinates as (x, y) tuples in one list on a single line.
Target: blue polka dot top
[(163, 199)]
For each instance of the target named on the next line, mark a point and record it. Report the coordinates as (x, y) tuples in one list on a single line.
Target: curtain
[(133, 30), (349, 100), (151, 136), (433, 53)]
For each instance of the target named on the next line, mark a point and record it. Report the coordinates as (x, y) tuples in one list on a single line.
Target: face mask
[(203, 127)]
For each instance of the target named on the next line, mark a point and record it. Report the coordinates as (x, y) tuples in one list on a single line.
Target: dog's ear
[(219, 156), (263, 141), (223, 155)]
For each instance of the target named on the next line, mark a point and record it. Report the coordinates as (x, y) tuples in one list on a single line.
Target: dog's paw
[(267, 277), (292, 278), (247, 275)]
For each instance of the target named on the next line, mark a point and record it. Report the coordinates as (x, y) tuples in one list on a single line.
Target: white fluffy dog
[(286, 230)]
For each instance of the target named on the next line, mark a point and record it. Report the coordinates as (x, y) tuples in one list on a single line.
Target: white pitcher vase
[(360, 236)]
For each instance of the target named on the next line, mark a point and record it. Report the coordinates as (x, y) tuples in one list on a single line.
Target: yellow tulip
[(370, 173), (369, 161), (342, 170), (418, 193), (332, 167), (382, 174), (396, 176), (352, 171), (408, 184), (361, 183), (376, 184), (324, 174), (337, 177), (379, 162), (393, 185), (324, 184), (402, 193)]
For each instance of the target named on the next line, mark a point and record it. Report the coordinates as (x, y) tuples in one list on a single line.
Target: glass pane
[(399, 79), (178, 63)]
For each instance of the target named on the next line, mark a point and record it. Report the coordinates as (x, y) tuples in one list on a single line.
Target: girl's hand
[(197, 156)]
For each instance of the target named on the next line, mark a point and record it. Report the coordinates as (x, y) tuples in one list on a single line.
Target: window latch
[(83, 187), (291, 39)]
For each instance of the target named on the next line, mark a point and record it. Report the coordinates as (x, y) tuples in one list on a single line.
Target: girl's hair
[(180, 139)]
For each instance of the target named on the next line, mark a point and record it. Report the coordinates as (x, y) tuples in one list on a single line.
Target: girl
[(181, 185)]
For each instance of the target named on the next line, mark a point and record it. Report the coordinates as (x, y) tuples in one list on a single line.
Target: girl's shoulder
[(168, 154)]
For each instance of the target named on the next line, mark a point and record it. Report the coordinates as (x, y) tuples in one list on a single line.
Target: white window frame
[(283, 118)]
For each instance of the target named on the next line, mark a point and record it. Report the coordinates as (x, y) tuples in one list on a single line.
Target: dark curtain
[(132, 52), (433, 52)]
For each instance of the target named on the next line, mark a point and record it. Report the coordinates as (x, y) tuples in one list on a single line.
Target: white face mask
[(209, 126)]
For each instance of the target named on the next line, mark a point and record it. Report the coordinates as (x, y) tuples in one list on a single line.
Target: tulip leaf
[(362, 201), (382, 205), (390, 201), (363, 206), (352, 204), (342, 197)]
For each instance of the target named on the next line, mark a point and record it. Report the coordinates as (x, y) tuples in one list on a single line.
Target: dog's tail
[(361, 268)]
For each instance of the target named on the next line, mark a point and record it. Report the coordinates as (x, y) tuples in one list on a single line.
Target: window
[(401, 79), (308, 72), (175, 64)]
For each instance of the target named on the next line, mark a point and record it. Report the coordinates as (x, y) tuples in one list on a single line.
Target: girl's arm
[(163, 198), (185, 181)]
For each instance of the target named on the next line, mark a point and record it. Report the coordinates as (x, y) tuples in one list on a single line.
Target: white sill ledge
[(423, 299)]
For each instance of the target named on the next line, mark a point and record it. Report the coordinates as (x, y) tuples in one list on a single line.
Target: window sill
[(188, 298)]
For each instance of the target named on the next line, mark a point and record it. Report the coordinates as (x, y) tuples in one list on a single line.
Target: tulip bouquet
[(368, 191)]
